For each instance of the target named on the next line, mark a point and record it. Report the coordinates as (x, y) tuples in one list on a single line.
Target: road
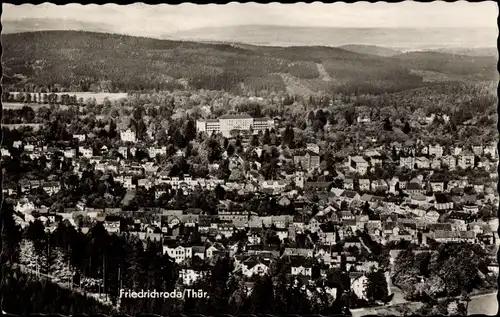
[(486, 304)]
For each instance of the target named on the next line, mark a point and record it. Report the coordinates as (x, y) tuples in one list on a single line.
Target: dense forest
[(84, 61)]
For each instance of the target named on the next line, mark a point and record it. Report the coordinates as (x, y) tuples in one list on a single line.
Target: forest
[(51, 61)]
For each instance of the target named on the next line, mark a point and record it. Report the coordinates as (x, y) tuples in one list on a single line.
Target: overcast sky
[(160, 19)]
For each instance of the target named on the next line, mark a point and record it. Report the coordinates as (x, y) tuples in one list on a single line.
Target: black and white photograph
[(250, 159)]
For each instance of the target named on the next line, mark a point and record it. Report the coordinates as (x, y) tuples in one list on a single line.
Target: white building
[(436, 150), (179, 253), (227, 123), (86, 152), (358, 164), (128, 136)]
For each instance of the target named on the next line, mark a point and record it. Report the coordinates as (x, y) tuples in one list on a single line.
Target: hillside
[(85, 61), (371, 49), (482, 67)]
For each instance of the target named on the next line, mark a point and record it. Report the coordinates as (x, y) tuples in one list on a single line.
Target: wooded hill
[(86, 61)]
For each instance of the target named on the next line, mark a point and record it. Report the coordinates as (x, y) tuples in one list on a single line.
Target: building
[(423, 162), (358, 164), (407, 162), (466, 160), (309, 161), (112, 224), (253, 267), (178, 253), (301, 266), (358, 284), (227, 123), (450, 162), (128, 136), (86, 152), (436, 150)]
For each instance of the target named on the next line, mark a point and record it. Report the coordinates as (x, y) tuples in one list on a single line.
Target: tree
[(465, 297), (407, 128), (262, 296), (220, 192), (288, 136), (387, 125), (10, 235), (189, 130)]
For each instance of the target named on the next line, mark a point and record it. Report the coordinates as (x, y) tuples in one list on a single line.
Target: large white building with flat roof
[(227, 123)]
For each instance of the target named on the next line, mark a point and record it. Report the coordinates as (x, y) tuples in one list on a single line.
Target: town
[(250, 159), (265, 200)]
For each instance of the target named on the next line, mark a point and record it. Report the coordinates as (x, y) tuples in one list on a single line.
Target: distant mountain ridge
[(79, 60), (54, 24), (371, 49), (407, 38)]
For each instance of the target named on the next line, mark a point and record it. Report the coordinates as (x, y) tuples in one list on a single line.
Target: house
[(379, 185), (374, 157), (274, 185), (363, 119), (298, 252), (178, 253), (123, 151), (349, 184), (407, 162), (312, 147), (309, 161), (225, 229), (112, 223), (437, 186), (24, 206), (358, 164), (349, 196), (454, 236), (301, 266), (432, 216), (254, 266), (128, 136), (214, 250), (466, 160), (422, 162), (313, 224), (80, 137), (414, 188), (491, 150), (436, 150), (358, 284), (51, 188), (449, 161), (198, 251), (364, 184), (9, 189), (477, 150), (443, 202), (86, 152), (69, 152)]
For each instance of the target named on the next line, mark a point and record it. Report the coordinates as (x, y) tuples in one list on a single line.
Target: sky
[(142, 19)]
